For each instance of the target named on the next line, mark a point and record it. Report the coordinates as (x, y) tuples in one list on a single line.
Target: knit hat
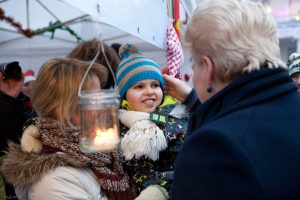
[(134, 68), (28, 76), (294, 63)]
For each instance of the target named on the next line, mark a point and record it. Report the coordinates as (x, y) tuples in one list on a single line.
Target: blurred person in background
[(116, 47), (27, 88), (294, 68), (11, 111), (87, 50), (29, 79)]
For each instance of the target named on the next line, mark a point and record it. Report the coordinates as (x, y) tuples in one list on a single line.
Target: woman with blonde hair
[(49, 164), (240, 143)]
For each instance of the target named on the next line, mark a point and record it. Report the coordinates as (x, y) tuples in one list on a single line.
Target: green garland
[(30, 33), (53, 26)]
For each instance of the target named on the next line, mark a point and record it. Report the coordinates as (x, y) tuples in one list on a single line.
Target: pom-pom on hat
[(134, 68), (294, 63)]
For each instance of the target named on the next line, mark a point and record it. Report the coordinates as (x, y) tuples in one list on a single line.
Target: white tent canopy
[(32, 52)]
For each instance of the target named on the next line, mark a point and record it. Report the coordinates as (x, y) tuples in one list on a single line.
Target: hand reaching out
[(11, 87), (176, 88)]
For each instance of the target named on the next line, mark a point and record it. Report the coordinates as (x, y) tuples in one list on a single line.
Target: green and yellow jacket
[(144, 171)]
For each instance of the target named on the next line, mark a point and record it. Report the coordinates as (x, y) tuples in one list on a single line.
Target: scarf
[(144, 137), (107, 167)]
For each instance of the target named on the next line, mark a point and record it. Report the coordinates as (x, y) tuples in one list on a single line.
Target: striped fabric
[(294, 63)]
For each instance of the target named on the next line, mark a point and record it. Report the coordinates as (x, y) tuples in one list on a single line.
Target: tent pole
[(3, 1), (116, 37), (27, 13), (43, 30), (49, 11), (176, 14)]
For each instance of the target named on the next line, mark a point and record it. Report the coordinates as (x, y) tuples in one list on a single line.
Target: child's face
[(145, 95)]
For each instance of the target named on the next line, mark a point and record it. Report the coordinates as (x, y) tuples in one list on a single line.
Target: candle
[(106, 140), (99, 121)]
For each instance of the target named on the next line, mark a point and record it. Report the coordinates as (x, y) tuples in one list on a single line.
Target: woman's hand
[(176, 88)]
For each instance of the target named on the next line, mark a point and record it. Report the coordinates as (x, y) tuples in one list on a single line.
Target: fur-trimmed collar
[(24, 168)]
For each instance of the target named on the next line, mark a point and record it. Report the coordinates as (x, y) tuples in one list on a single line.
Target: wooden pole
[(176, 15)]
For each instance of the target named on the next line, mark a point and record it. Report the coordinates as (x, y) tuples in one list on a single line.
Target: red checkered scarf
[(173, 51)]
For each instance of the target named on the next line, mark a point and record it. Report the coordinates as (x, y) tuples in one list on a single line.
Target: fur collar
[(25, 168)]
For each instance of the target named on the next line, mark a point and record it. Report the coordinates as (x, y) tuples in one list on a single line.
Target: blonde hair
[(238, 35), (55, 92)]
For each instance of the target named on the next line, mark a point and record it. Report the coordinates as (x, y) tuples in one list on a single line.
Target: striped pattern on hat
[(134, 68), (294, 63)]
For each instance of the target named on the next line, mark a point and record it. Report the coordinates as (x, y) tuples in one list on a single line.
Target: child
[(150, 135)]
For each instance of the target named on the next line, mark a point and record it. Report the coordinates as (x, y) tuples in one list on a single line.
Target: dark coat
[(11, 119), (14, 112), (244, 142)]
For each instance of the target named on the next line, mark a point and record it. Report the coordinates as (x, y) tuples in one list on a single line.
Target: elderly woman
[(240, 143)]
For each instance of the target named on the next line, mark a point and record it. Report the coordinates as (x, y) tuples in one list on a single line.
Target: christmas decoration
[(27, 32), (30, 33)]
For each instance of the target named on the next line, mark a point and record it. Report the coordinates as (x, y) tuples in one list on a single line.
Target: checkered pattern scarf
[(173, 51)]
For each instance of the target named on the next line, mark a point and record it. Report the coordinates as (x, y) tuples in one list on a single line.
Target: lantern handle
[(90, 66)]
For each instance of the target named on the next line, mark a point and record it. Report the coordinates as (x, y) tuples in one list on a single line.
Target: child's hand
[(176, 88)]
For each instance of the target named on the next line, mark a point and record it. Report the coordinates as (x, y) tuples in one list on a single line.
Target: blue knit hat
[(134, 68)]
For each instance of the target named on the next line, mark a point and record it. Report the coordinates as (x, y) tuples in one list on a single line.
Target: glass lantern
[(99, 121)]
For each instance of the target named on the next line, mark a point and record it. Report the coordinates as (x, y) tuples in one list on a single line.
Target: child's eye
[(138, 87), (155, 85)]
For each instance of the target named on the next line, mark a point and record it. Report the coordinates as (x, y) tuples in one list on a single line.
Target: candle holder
[(99, 121)]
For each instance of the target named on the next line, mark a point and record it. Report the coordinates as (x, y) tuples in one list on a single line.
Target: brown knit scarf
[(106, 166)]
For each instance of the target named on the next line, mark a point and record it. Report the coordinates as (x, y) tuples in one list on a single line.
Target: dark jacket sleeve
[(11, 119), (192, 102), (213, 166)]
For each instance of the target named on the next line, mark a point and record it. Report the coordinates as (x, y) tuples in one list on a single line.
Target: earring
[(209, 89)]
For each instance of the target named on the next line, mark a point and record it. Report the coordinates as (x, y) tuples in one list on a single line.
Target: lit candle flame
[(106, 139)]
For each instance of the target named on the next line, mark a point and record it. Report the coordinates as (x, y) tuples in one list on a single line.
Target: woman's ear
[(208, 64)]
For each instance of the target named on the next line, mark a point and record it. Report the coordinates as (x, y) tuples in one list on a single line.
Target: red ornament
[(17, 25), (186, 77), (27, 32), (1, 13)]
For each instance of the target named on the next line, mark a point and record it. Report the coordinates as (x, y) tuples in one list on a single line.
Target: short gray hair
[(238, 35)]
